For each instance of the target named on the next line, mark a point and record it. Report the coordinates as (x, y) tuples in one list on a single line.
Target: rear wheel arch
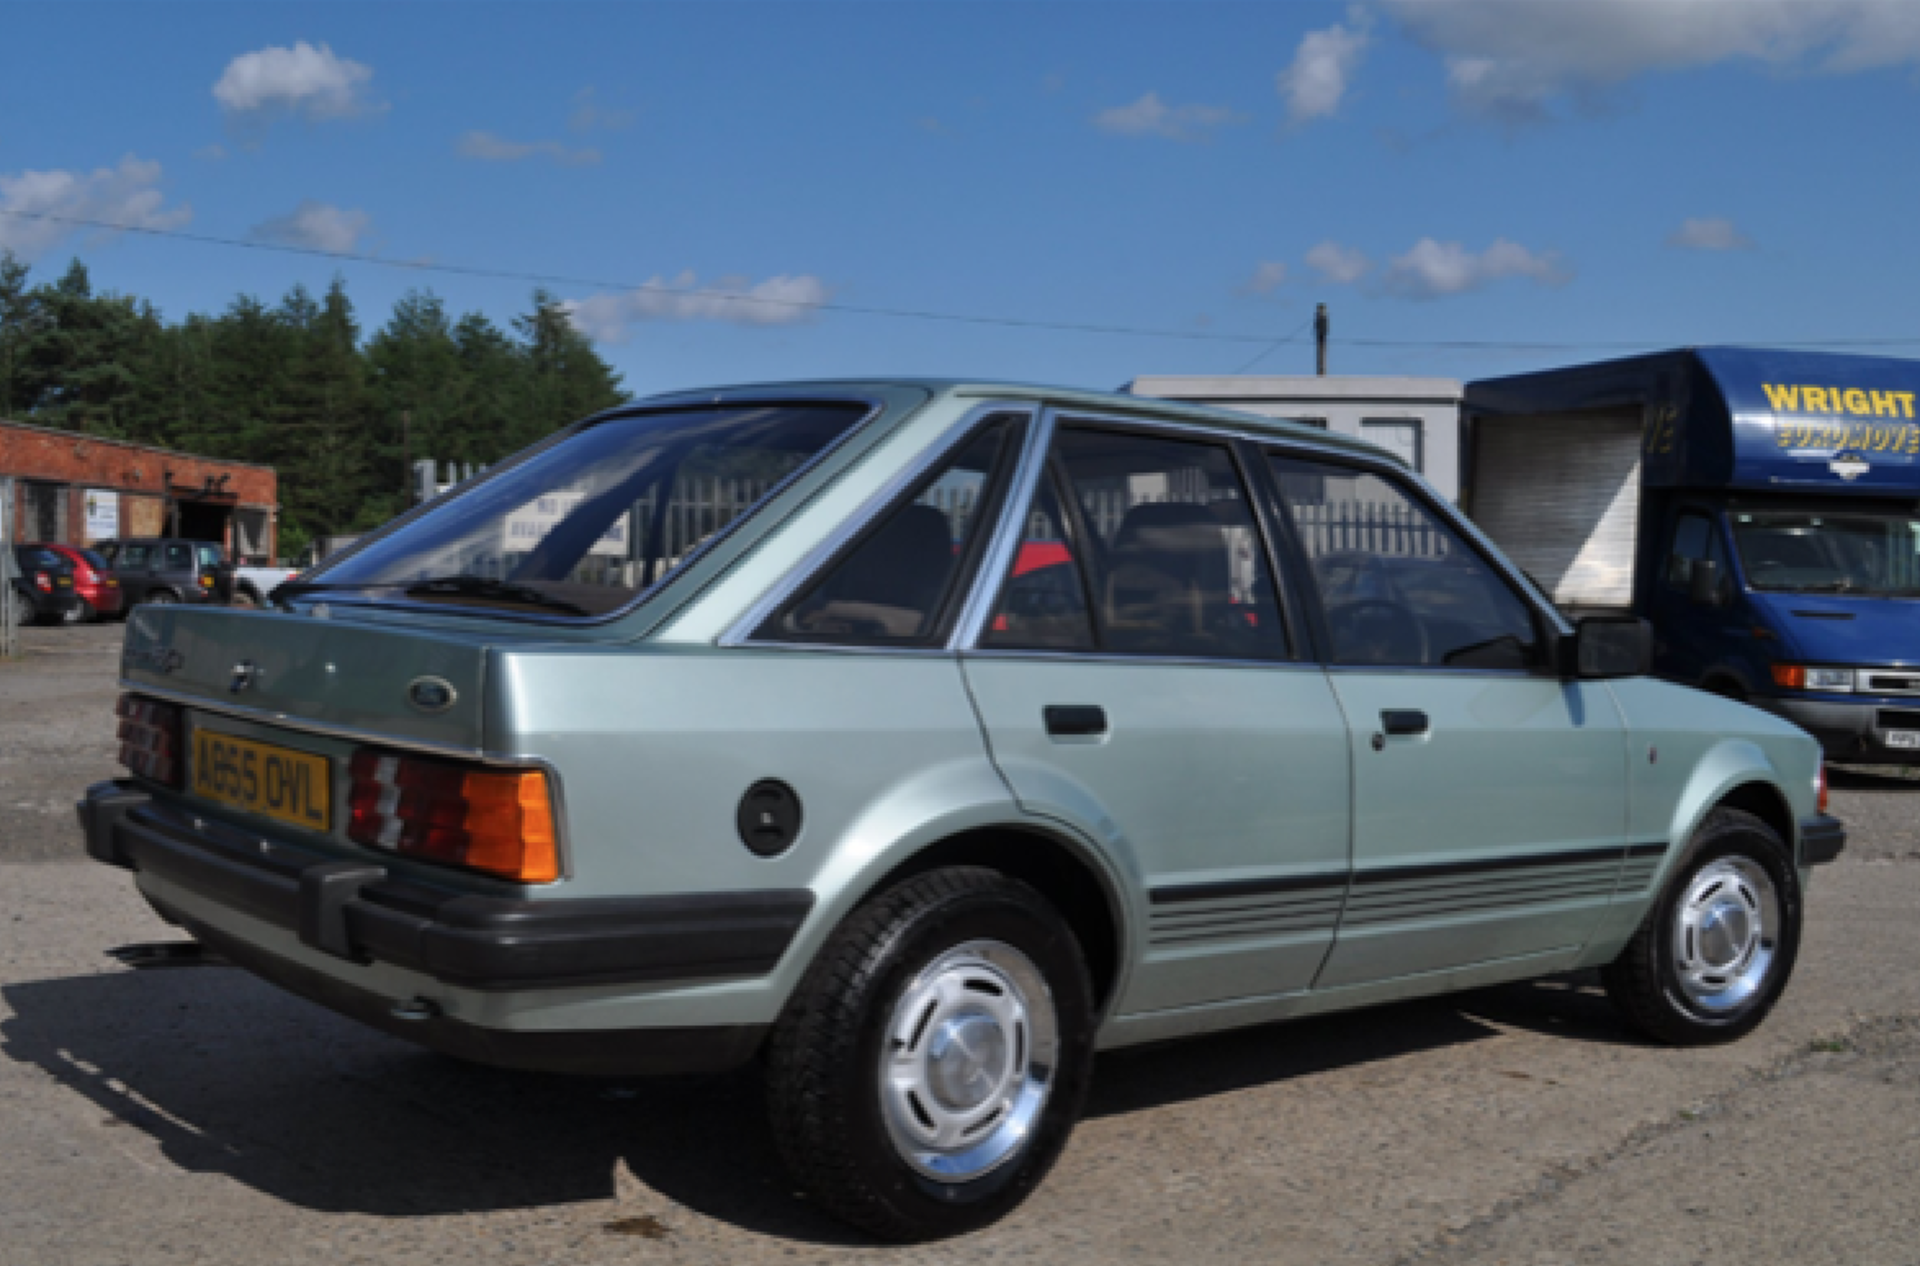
[(1078, 887)]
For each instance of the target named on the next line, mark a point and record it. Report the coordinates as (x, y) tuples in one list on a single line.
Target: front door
[(1489, 794), (1137, 681)]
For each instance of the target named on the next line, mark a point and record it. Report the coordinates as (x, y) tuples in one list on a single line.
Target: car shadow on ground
[(226, 1075), (1873, 778)]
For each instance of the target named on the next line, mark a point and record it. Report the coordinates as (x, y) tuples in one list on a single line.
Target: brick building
[(77, 488)]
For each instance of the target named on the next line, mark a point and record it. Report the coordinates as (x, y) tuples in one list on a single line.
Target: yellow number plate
[(296, 787)]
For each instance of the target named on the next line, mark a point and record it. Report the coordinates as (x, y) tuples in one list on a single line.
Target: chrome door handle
[(1074, 720), (1404, 722)]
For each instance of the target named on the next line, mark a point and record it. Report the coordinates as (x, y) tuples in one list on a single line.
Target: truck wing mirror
[(1612, 646), (1703, 583)]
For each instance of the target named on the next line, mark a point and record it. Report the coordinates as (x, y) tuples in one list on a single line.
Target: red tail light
[(43, 582), (499, 821), (150, 738), (1822, 805)]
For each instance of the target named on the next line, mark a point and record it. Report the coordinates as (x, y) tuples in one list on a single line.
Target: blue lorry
[(1761, 508)]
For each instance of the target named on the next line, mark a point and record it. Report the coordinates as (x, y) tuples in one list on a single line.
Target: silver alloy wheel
[(968, 1061), (1726, 931)]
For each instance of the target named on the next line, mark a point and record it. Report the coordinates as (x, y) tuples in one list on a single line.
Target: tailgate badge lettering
[(431, 694), (245, 673)]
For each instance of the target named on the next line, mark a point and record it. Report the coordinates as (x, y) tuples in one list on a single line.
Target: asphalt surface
[(199, 1116)]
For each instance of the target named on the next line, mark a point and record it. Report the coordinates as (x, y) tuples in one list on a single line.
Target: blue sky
[(1595, 175)]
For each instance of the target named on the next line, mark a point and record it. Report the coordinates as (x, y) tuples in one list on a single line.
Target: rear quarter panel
[(655, 747)]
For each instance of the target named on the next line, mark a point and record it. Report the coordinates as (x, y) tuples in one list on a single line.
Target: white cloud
[(498, 149), (298, 80), (1339, 264), (1513, 61), (1150, 116), (1322, 68), (1267, 278), (779, 300), (1709, 234), (319, 226), (1434, 270), (127, 195), (589, 115)]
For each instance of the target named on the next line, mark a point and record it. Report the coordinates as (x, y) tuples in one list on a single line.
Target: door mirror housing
[(1703, 583), (1607, 646)]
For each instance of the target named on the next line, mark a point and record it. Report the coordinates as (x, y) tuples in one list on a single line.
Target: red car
[(94, 581)]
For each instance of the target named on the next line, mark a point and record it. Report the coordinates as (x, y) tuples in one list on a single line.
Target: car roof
[(1110, 403)]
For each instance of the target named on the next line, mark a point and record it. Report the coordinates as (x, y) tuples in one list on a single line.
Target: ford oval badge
[(431, 694)]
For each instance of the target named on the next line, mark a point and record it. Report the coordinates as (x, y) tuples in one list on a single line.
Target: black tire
[(1650, 984), (161, 597), (825, 1090), (245, 598)]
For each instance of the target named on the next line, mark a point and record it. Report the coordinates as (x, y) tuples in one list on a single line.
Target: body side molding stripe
[(1174, 894)]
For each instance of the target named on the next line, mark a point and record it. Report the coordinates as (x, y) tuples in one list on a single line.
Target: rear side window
[(897, 585), (1399, 586), (1043, 605), (179, 557), (129, 557), (1161, 546)]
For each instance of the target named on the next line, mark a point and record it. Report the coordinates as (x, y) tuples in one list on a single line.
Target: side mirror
[(1703, 583), (1612, 646)]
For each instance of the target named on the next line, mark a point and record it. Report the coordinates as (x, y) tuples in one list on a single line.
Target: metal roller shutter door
[(1561, 496)]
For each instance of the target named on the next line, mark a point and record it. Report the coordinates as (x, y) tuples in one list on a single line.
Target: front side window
[(586, 525), (1694, 540), (1863, 551), (898, 584), (179, 558), (1398, 584), (1158, 537)]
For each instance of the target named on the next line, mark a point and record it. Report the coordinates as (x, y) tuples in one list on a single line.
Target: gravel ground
[(199, 1116)]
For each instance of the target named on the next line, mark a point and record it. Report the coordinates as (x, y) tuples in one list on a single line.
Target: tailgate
[(353, 676)]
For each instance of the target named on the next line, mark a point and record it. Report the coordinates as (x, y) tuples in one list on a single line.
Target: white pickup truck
[(252, 585)]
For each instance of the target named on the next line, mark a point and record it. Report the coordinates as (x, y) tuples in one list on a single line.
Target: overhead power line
[(910, 314)]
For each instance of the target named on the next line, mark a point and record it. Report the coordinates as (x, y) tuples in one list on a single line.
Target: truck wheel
[(161, 597), (930, 1067), (245, 598), (1716, 949)]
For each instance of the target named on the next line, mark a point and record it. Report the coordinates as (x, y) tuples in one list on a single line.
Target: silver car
[(921, 739)]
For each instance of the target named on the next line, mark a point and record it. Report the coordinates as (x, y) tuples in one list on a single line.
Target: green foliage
[(295, 386)]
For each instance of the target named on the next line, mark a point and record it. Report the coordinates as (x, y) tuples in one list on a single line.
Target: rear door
[(133, 562), (1138, 681), (1489, 794)]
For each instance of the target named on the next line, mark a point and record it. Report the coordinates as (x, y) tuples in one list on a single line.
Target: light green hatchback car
[(920, 740)]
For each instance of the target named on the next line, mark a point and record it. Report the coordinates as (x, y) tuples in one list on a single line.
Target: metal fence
[(1369, 527)]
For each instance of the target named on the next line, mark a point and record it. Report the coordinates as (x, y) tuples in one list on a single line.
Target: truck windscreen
[(1861, 552)]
